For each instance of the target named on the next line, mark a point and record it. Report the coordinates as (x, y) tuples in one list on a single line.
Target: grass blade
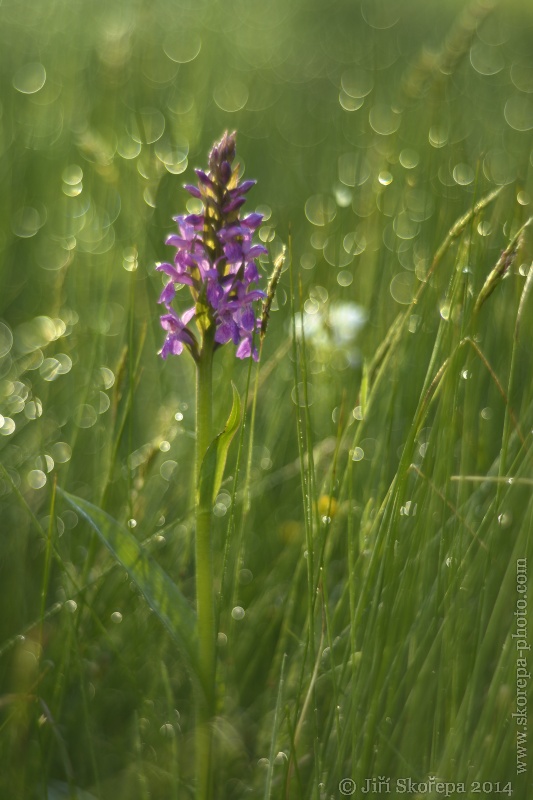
[(159, 591)]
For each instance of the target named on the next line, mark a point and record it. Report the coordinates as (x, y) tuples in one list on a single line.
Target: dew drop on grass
[(267, 233), (357, 82), (281, 758), (505, 519), (178, 416), (385, 178), (167, 469), (61, 452), (311, 306), (6, 339), (409, 159), (127, 148), (49, 369), (298, 396), (486, 413), (231, 95), (238, 613), (26, 222), (344, 278), (29, 78), (343, 196), (87, 416), (132, 523), (414, 322), (358, 454), (129, 259), (182, 47), (438, 136), (45, 463), (384, 119), (167, 730), (72, 174), (107, 377), (103, 402), (245, 577), (33, 409), (146, 126), (350, 103), (164, 446), (320, 209), (409, 509), (463, 174), (70, 518), (518, 112), (36, 478), (357, 413), (116, 617), (222, 639), (58, 523), (265, 210), (486, 59), (71, 606)]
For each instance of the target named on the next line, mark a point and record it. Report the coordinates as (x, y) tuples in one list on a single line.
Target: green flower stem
[(204, 576)]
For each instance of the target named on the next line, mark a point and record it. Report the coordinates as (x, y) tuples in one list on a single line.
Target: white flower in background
[(333, 326)]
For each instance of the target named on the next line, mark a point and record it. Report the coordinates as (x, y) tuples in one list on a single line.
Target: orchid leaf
[(214, 461)]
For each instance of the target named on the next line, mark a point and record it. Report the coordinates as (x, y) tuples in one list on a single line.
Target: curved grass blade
[(159, 591), (503, 265)]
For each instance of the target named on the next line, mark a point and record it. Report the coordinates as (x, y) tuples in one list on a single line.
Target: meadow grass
[(370, 531)]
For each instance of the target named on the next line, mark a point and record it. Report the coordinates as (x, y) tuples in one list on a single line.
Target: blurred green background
[(370, 127)]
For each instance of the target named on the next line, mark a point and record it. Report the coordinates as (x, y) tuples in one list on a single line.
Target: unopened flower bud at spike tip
[(215, 257)]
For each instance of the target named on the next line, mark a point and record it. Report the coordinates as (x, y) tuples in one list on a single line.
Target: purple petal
[(255, 294), (227, 331), (171, 346), (176, 241), (170, 270), (195, 220), (225, 172), (247, 319), (203, 178), (170, 321), (237, 202), (188, 315), (253, 220), (233, 253), (251, 274), (192, 189), (214, 294), (256, 250), (244, 187), (228, 234), (244, 350), (168, 293)]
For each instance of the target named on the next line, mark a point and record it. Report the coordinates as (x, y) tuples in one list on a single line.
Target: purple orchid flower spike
[(216, 258)]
